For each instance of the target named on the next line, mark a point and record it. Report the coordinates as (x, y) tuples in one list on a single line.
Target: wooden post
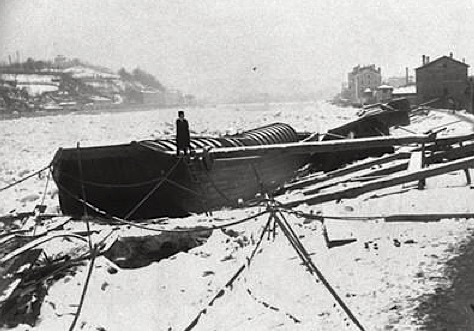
[(83, 191), (422, 182), (468, 176)]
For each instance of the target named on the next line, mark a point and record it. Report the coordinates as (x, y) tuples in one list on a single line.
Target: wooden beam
[(426, 217), (34, 243), (352, 192), (443, 141), (415, 163), (338, 233), (451, 154), (377, 172), (347, 170), (319, 146)]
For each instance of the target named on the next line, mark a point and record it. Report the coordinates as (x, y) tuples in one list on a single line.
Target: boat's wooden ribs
[(276, 133)]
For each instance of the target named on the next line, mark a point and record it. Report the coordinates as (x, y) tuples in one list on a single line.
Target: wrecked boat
[(374, 121), (393, 113), (146, 179)]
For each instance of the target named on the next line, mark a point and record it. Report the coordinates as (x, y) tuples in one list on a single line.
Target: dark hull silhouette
[(149, 174)]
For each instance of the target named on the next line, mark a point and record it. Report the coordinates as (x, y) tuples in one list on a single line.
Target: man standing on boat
[(182, 134)]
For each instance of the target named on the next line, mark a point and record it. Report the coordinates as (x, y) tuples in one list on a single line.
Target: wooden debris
[(443, 141), (415, 164), (35, 243), (9, 278), (349, 177), (338, 233), (416, 161), (352, 192), (435, 217), (468, 177), (450, 153), (347, 170)]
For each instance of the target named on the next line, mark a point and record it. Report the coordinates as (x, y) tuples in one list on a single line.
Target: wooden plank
[(9, 280), (443, 141), (347, 170), (319, 146), (435, 217), (243, 158), (37, 242), (348, 178), (416, 161), (407, 177), (452, 154), (338, 232)]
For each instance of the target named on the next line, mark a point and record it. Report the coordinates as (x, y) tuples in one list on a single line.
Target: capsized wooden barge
[(374, 121), (149, 174), (146, 179)]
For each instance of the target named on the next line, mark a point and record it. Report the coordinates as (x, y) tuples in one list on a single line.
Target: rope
[(137, 184), (48, 178), (83, 193), (25, 178), (84, 290), (304, 255), (323, 217), (229, 284), (147, 196), (217, 227), (42, 200), (218, 190), (184, 188), (274, 308), (123, 221), (119, 185), (223, 195)]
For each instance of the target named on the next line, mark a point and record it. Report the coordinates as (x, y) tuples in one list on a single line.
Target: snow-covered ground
[(412, 285)]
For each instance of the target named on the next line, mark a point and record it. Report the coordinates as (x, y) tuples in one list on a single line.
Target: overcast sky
[(210, 47)]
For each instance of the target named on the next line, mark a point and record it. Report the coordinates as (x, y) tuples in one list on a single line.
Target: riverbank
[(394, 276)]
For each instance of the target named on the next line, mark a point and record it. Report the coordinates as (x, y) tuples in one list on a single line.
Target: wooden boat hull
[(116, 179), (375, 122)]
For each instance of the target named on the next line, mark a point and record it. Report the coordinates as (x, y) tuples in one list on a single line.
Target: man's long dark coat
[(182, 134)]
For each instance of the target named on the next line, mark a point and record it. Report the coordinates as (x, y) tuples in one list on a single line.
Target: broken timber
[(390, 169), (443, 141), (10, 277), (416, 163), (406, 177), (347, 170)]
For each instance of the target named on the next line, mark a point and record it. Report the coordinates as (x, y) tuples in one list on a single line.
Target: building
[(383, 93), (35, 84), (407, 92), (444, 79), (361, 79)]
